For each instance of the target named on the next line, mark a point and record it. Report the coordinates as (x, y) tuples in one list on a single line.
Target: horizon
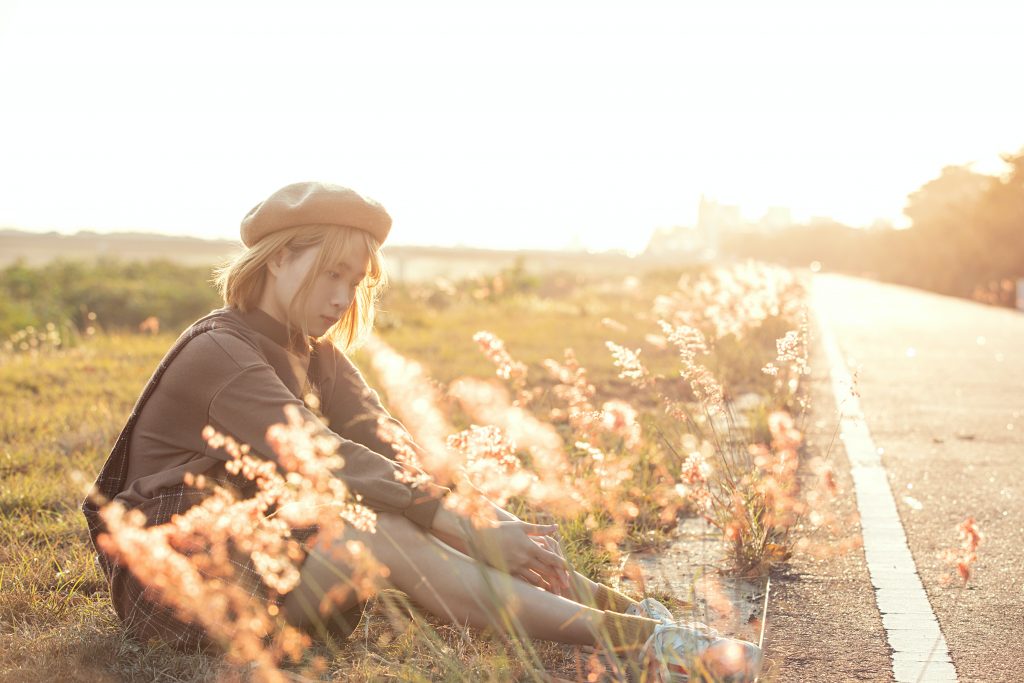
[(611, 124), (129, 233)]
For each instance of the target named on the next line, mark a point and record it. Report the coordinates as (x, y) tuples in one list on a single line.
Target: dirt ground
[(823, 623)]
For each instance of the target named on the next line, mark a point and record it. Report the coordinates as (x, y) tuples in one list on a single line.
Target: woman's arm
[(351, 407), (500, 515), (254, 398)]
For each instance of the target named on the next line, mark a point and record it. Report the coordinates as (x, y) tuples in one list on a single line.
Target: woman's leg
[(446, 583), (598, 595), (582, 589)]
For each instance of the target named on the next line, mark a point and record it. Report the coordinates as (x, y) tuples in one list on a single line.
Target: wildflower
[(784, 433), (190, 562), (619, 418), (690, 341), (415, 399), (628, 363), (730, 300), (490, 467), (576, 391), (964, 557), (696, 469), (494, 349), (792, 350), (488, 403)]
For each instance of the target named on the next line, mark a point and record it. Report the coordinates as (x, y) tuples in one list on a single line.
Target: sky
[(501, 125)]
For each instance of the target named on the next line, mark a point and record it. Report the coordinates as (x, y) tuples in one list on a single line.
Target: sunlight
[(549, 127)]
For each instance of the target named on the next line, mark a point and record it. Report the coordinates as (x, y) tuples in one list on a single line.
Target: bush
[(120, 294)]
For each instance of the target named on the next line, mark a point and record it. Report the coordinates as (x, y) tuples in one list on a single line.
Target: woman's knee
[(335, 565), (333, 580)]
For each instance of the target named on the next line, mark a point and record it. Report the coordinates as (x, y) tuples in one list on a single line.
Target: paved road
[(941, 384)]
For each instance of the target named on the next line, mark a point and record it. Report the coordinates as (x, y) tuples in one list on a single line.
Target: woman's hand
[(564, 586), (561, 586), (529, 551), (524, 550)]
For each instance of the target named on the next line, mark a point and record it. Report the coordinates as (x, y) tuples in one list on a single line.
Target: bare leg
[(446, 583), (582, 589)]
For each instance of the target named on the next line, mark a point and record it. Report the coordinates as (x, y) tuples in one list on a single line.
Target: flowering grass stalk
[(598, 459), (746, 488), (190, 562), (961, 559)]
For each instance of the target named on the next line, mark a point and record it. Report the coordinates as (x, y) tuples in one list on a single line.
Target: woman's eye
[(334, 275)]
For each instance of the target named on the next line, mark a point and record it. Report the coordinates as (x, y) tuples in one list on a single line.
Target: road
[(941, 392)]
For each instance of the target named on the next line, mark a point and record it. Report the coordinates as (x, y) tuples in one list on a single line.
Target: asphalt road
[(941, 384)]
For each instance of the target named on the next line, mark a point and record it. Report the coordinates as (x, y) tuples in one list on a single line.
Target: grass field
[(60, 411)]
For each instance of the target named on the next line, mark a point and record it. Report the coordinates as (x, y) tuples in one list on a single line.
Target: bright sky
[(519, 124)]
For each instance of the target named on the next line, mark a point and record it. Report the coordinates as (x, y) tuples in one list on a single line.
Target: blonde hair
[(241, 280)]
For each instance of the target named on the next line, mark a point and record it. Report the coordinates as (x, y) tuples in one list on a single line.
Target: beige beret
[(314, 203)]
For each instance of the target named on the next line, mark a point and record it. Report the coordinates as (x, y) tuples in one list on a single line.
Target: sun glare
[(553, 126)]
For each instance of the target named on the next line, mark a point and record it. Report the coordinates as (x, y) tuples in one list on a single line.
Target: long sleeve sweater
[(238, 377)]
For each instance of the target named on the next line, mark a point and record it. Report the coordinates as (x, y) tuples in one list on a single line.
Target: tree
[(1001, 220), (945, 205)]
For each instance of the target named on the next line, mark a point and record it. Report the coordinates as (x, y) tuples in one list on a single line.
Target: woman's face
[(332, 290)]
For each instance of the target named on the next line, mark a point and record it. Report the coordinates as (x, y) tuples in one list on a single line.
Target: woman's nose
[(341, 298)]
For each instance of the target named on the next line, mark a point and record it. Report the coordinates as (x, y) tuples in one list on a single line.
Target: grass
[(60, 412)]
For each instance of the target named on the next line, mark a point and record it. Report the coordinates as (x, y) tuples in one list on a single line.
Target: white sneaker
[(675, 653), (652, 609)]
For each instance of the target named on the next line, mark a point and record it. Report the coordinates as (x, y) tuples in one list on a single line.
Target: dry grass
[(61, 410)]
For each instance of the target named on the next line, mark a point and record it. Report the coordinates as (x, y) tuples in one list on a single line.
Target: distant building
[(714, 220), (776, 218)]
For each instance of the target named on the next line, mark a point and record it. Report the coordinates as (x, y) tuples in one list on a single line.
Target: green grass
[(535, 328), (59, 414), (61, 411)]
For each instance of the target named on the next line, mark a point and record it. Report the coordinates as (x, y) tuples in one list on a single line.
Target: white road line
[(910, 625)]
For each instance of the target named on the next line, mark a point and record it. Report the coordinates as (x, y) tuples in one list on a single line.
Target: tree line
[(966, 238)]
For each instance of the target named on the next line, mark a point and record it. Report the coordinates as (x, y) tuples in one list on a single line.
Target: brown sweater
[(238, 377)]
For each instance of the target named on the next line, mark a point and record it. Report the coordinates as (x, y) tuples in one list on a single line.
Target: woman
[(303, 288)]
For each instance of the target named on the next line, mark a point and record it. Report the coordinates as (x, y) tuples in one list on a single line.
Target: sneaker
[(652, 609), (675, 653)]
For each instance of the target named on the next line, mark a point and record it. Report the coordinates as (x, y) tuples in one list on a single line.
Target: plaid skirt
[(145, 618)]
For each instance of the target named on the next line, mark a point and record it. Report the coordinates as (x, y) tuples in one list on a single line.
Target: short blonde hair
[(241, 280)]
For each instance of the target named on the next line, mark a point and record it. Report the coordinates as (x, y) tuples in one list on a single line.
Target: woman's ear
[(275, 262)]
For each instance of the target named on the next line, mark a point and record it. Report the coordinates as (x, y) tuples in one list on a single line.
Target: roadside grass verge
[(60, 412)]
